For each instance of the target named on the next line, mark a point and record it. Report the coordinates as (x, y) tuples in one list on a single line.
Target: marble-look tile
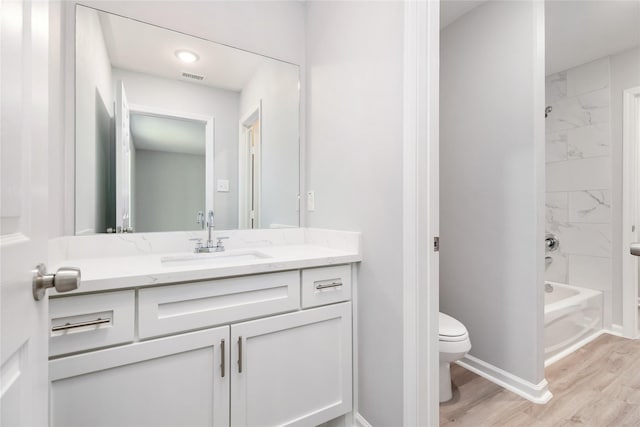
[(592, 206), (588, 141), (556, 147), (555, 87), (577, 111), (557, 176), (557, 207), (588, 77), (577, 175), (558, 269), (584, 239), (590, 272)]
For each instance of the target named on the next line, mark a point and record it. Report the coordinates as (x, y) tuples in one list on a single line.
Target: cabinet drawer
[(326, 285), (169, 309), (84, 322)]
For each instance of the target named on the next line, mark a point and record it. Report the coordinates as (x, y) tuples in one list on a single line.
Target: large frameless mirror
[(171, 128)]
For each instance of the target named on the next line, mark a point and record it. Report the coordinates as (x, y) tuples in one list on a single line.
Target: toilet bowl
[(454, 343)]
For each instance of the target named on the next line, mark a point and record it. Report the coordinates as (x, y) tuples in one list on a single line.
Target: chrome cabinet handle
[(239, 355), (328, 284), (635, 249), (66, 326), (222, 365), (64, 280)]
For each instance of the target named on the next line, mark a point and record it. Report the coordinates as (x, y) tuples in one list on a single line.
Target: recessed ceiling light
[(186, 56)]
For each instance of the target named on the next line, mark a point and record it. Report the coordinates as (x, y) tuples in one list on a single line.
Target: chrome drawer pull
[(66, 326), (328, 284), (222, 365), (240, 355)]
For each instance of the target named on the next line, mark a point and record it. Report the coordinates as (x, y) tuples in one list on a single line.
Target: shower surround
[(578, 177)]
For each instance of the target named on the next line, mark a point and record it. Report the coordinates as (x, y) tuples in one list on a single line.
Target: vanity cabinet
[(253, 366), (293, 369), (173, 381)]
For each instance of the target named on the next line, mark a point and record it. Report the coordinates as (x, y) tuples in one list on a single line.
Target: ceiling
[(161, 133), (582, 31), (576, 32), (450, 10), (136, 46)]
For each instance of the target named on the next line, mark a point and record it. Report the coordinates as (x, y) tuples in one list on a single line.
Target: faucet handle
[(220, 239), (198, 241)]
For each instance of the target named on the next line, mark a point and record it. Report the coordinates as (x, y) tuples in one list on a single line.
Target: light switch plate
[(311, 201), (222, 185)]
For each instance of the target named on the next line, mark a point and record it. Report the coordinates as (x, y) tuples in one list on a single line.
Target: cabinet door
[(174, 381), (293, 369)]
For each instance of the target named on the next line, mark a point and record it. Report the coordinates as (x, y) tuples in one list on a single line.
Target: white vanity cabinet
[(211, 353), (293, 369), (173, 381)]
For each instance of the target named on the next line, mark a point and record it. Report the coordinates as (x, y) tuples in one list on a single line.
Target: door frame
[(630, 209), (253, 114), (209, 122), (420, 216)]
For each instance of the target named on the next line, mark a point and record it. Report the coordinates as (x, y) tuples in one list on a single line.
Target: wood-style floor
[(598, 385)]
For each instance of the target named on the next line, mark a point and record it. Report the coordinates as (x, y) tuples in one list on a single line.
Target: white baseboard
[(360, 421), (614, 330), (536, 393)]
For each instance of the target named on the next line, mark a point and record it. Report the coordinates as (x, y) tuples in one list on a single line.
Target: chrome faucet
[(210, 226), (219, 247), (209, 246)]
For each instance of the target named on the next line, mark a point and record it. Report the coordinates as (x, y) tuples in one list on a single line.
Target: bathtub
[(572, 317)]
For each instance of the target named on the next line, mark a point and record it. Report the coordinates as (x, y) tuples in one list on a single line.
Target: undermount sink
[(219, 258)]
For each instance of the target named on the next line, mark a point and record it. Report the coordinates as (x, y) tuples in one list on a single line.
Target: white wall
[(492, 182), (625, 74), (275, 29), (276, 85), (94, 101), (222, 105), (354, 163), (169, 190), (578, 181)]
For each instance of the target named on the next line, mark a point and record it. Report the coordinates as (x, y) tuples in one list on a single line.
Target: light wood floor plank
[(598, 385)]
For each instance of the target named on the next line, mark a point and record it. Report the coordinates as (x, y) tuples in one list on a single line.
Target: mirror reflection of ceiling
[(145, 48), (161, 133)]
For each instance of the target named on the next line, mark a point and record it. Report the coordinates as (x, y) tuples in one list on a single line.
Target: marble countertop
[(118, 272)]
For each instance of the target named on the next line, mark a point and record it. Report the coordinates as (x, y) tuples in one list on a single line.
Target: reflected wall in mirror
[(170, 127)]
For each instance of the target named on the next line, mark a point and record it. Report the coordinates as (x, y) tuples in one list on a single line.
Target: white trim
[(420, 219), (536, 393), (253, 114), (355, 273), (567, 351), (615, 330), (360, 421), (630, 213), (209, 122)]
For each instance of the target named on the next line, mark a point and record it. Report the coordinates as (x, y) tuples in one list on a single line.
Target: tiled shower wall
[(578, 174)]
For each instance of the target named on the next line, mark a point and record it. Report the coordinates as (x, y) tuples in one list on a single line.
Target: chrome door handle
[(222, 365), (635, 249), (240, 355), (64, 280)]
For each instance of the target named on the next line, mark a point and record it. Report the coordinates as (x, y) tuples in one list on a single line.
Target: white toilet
[(454, 344)]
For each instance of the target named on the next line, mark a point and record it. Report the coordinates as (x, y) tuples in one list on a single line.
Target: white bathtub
[(572, 316)]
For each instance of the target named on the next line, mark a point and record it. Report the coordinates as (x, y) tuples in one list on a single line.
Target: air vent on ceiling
[(192, 76)]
